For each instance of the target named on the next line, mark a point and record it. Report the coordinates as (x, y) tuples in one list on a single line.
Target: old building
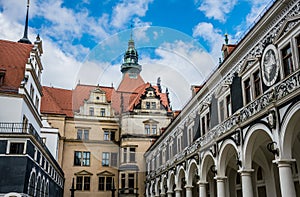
[(27, 166), (104, 132), (239, 134)]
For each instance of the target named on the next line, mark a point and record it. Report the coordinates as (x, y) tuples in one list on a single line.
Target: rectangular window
[(122, 180), (256, 79), (131, 183), (153, 105), (287, 61), (125, 155), (112, 136), (298, 47), (132, 155), (37, 101), (85, 134), (147, 105), (154, 129), (91, 112), (82, 134), (105, 159), (31, 91), (228, 105), (207, 121), (102, 112), (222, 111), (203, 125), (81, 158), (101, 183), (247, 91), (147, 129), (79, 134), (86, 183), (83, 183), (16, 148), (86, 159), (114, 159), (109, 181), (106, 135), (79, 181)]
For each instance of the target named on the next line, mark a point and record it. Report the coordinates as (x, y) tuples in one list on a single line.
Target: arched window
[(31, 185), (38, 187)]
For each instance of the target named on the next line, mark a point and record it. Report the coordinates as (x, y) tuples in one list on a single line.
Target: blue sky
[(177, 40)]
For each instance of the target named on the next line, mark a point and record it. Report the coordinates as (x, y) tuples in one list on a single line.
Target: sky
[(177, 40)]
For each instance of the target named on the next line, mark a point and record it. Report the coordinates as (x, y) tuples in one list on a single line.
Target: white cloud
[(217, 9), (257, 7), (210, 34), (127, 9)]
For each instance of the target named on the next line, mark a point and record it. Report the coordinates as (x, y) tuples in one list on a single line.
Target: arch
[(192, 167), (38, 186), (179, 176), (207, 162), (31, 183), (288, 134), (227, 150), (257, 134), (163, 183), (171, 181)]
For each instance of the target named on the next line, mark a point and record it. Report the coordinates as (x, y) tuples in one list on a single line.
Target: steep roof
[(66, 102), (82, 92), (129, 84), (13, 59), (57, 101)]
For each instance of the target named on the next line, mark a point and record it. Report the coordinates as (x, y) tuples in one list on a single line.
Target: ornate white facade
[(239, 135)]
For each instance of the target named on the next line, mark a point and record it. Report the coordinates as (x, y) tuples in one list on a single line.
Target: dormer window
[(153, 105), (91, 111), (147, 105)]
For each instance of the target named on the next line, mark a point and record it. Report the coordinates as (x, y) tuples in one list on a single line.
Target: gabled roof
[(82, 92), (129, 84), (136, 98), (13, 59)]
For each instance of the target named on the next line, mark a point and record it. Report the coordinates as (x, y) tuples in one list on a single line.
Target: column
[(202, 189), (189, 192), (178, 192), (286, 178), (247, 187), (170, 193), (220, 186)]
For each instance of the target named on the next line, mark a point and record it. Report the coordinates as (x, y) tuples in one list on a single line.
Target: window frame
[(84, 161)]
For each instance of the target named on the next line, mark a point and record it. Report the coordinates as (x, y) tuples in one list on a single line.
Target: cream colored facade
[(88, 135)]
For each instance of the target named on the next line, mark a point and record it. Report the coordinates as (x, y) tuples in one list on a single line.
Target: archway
[(290, 145), (193, 178), (207, 173), (259, 160), (228, 167)]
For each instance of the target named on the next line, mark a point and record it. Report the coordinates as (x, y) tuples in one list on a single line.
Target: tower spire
[(25, 36)]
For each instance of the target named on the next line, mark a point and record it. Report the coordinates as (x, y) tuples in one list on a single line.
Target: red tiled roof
[(136, 99), (61, 101), (57, 101), (13, 59), (129, 84), (82, 92)]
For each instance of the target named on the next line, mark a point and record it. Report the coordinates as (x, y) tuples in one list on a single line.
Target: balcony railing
[(22, 128)]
